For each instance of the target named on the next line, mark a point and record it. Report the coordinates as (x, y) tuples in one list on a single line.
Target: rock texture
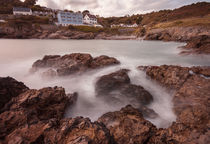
[(197, 38), (71, 64), (10, 88), (128, 126), (116, 86), (199, 45), (191, 103)]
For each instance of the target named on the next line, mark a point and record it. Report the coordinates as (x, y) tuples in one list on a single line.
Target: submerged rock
[(10, 88), (72, 63), (116, 87)]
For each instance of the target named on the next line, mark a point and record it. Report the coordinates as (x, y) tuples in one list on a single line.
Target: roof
[(90, 16), (20, 9)]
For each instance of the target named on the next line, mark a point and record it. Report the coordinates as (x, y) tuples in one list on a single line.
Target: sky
[(109, 8)]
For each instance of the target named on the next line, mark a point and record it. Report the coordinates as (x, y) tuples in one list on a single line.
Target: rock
[(72, 63), (198, 45), (128, 126), (191, 104), (10, 88), (50, 73), (170, 76), (34, 106), (116, 86), (73, 130)]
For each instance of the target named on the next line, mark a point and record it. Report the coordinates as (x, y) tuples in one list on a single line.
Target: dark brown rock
[(73, 63), (198, 45), (116, 86), (33, 106), (169, 76), (128, 126), (10, 88)]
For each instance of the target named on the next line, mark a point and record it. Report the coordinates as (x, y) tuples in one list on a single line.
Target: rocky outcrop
[(116, 86), (192, 92), (10, 88), (199, 45), (197, 38), (36, 116), (33, 106), (72, 63), (128, 126)]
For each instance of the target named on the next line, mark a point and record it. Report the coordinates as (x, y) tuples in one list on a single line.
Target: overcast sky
[(116, 7)]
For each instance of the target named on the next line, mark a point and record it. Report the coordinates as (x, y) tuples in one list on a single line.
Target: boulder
[(72, 130), (128, 126), (34, 106), (72, 63), (116, 87), (10, 88)]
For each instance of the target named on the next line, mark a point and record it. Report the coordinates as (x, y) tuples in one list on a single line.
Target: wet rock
[(128, 126), (73, 130), (191, 104), (32, 107), (73, 63), (10, 88), (169, 76), (116, 87), (198, 45)]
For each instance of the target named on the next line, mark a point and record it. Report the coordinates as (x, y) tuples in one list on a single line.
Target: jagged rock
[(128, 126), (116, 86), (198, 45), (191, 104), (33, 106), (169, 76), (73, 130), (10, 88), (73, 63)]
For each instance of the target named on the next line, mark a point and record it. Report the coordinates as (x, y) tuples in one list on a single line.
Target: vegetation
[(195, 21)]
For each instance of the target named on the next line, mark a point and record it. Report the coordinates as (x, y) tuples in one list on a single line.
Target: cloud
[(115, 7)]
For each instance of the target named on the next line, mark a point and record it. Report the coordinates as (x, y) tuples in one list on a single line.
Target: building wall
[(89, 20), (22, 13), (68, 18)]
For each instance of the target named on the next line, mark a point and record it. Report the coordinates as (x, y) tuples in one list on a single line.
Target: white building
[(22, 11), (89, 19), (69, 18)]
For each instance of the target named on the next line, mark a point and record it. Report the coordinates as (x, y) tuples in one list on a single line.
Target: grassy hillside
[(200, 9)]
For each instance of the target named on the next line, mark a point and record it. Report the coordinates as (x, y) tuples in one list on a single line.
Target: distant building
[(69, 18), (125, 25), (89, 19), (41, 13), (22, 11)]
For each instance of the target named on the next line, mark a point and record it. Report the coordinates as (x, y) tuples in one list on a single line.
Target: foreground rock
[(10, 88), (36, 116), (116, 86), (128, 126), (72, 63), (191, 103)]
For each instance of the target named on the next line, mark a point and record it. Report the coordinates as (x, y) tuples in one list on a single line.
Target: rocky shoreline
[(37, 116), (197, 38)]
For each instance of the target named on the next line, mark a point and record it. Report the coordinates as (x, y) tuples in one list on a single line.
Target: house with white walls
[(69, 18), (21, 11), (89, 19)]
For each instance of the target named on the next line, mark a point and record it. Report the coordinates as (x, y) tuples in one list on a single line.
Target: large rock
[(10, 88), (34, 106), (73, 130), (73, 63), (198, 45), (128, 126), (191, 103), (116, 86)]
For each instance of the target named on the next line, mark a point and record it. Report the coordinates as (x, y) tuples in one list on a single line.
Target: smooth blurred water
[(17, 57)]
